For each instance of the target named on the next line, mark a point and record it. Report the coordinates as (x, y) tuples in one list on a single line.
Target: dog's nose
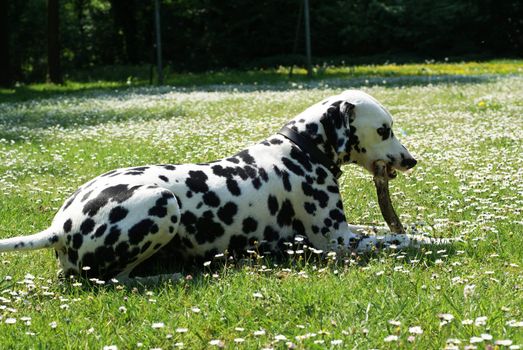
[(408, 163)]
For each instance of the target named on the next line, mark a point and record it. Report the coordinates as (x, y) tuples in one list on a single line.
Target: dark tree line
[(210, 34)]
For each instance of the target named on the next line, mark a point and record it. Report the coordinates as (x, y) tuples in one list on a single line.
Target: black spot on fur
[(336, 215), (227, 212), (333, 189), (249, 225), (286, 214), (286, 182), (117, 193), (145, 246), (117, 214), (77, 240), (100, 230), (246, 157), (242, 172), (297, 227), (197, 181), (207, 228), (188, 218), (86, 196), (121, 251), (237, 244), (311, 128), (163, 178), (384, 132), (139, 231), (72, 255), (233, 160), (160, 207), (301, 158), (353, 141), (295, 168), (67, 225), (227, 172), (113, 236), (318, 195), (102, 255), (87, 226), (321, 176), (272, 203), (310, 207), (211, 199), (158, 210), (256, 183), (263, 174), (270, 234), (139, 168), (233, 187)]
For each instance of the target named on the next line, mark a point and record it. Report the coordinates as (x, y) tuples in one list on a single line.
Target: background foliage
[(211, 34)]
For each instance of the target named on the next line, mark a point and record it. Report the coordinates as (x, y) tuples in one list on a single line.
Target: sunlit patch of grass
[(468, 183), (432, 68)]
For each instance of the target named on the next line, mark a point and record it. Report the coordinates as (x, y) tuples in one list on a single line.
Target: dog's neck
[(329, 130)]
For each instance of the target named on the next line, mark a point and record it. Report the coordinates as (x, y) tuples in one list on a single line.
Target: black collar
[(306, 145)]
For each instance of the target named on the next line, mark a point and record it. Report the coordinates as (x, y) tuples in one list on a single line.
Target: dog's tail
[(44, 239)]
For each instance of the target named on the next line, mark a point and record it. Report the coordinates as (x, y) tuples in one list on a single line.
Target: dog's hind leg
[(121, 235)]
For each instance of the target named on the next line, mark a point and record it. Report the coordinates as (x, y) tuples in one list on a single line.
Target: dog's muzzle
[(409, 163)]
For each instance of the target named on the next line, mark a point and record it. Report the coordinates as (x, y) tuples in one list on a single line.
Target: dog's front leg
[(362, 239)]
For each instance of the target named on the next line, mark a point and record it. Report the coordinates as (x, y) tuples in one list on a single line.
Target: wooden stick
[(381, 181)]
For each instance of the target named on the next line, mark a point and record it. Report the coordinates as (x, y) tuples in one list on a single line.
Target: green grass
[(466, 133), (123, 78)]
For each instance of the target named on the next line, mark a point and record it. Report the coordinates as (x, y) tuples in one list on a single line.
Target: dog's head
[(358, 129)]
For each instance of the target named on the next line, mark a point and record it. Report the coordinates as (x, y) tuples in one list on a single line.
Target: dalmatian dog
[(261, 198)]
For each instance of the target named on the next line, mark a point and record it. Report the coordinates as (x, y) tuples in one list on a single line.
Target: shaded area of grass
[(438, 71)]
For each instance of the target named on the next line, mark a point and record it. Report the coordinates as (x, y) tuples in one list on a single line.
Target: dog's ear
[(333, 120), (347, 111), (333, 116)]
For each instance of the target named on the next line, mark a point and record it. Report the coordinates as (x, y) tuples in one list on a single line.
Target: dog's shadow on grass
[(156, 274)]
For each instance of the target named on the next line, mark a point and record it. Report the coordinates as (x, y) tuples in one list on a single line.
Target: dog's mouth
[(390, 171)]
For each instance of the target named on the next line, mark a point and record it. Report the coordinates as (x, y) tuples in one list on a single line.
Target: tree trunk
[(6, 74), (125, 17), (53, 42)]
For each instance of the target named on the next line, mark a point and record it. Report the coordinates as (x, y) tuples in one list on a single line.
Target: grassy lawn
[(462, 121), (123, 78)]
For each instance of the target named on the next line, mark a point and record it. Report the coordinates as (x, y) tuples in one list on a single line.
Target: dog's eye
[(384, 132)]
